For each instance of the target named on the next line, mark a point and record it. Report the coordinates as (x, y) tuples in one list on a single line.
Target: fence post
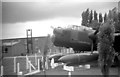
[(1, 70), (18, 69), (27, 62), (69, 73), (38, 64)]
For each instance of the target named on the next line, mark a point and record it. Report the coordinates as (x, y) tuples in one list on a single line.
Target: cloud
[(60, 0), (0, 20), (14, 12), (18, 16), (39, 28), (22, 12)]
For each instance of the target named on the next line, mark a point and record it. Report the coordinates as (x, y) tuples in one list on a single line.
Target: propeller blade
[(92, 47)]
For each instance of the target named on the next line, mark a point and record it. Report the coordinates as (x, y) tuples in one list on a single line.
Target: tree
[(119, 21), (105, 17), (119, 17), (116, 20), (91, 17), (95, 25), (95, 15), (105, 46), (85, 17), (100, 17), (115, 16), (110, 15)]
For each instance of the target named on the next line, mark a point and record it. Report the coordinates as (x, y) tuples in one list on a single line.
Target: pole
[(2, 60), (18, 68), (31, 42), (38, 64), (35, 59), (69, 73), (27, 62), (14, 64)]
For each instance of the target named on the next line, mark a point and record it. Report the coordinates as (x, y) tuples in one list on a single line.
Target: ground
[(8, 64)]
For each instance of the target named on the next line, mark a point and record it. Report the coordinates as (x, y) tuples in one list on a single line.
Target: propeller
[(93, 37), (92, 47)]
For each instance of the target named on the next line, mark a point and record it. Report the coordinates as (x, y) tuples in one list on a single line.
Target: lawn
[(8, 64)]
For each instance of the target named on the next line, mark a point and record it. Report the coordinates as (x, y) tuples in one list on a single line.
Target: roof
[(23, 38), (10, 43)]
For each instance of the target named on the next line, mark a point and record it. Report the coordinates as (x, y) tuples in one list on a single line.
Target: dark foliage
[(100, 18), (105, 17), (95, 15), (105, 46)]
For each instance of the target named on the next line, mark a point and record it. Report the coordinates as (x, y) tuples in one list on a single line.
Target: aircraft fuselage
[(77, 39)]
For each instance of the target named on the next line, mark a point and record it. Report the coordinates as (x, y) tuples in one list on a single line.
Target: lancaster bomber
[(80, 38)]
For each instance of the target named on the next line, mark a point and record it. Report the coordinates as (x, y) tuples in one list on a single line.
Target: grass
[(8, 64)]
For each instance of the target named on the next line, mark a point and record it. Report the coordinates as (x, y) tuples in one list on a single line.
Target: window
[(5, 50)]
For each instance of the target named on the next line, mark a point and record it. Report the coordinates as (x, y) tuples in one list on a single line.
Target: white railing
[(1, 70), (18, 69), (29, 66)]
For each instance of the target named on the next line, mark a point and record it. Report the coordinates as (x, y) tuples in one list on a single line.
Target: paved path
[(78, 71)]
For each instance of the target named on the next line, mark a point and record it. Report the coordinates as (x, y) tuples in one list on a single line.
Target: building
[(17, 47)]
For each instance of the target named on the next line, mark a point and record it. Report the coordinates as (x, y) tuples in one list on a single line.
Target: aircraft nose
[(58, 31), (63, 59), (68, 58)]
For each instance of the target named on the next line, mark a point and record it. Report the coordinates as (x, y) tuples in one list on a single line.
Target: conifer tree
[(95, 15), (119, 17), (110, 16), (91, 17), (85, 17), (100, 17), (105, 17)]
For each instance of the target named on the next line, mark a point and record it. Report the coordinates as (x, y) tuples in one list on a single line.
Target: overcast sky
[(39, 16)]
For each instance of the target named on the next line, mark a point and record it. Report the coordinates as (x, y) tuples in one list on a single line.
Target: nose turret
[(57, 31)]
